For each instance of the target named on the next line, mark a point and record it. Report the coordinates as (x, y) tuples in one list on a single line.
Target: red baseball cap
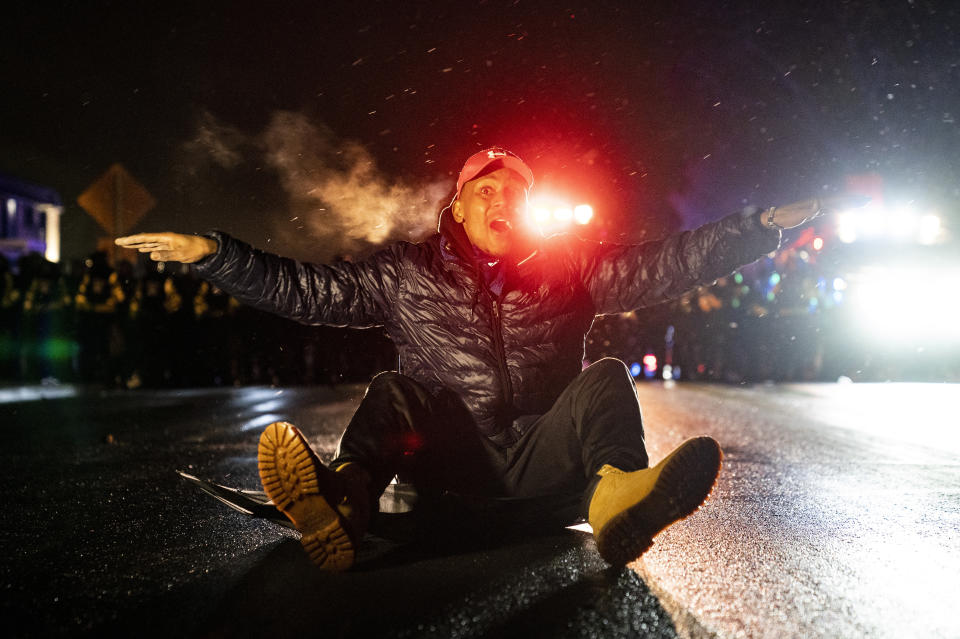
[(477, 162)]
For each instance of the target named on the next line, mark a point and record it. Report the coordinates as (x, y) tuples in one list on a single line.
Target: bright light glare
[(551, 214), (871, 219), (847, 227), (817, 243), (583, 213), (929, 229), (901, 223), (882, 410), (907, 305), (15, 394)]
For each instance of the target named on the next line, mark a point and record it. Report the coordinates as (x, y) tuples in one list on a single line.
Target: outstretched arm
[(625, 277), (340, 294), (170, 247)]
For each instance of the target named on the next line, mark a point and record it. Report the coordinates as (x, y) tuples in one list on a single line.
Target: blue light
[(635, 369)]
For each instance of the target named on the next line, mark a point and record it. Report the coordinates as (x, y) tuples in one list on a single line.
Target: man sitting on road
[(491, 398)]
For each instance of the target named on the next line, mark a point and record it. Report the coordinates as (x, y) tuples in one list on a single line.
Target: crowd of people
[(144, 325), (767, 321), (786, 317), (138, 325)]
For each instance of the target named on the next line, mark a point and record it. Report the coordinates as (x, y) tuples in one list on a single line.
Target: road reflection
[(916, 414)]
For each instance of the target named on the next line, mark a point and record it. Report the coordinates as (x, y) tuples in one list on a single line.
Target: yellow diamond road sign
[(116, 200)]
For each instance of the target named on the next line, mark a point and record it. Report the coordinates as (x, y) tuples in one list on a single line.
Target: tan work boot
[(628, 508), (330, 509)]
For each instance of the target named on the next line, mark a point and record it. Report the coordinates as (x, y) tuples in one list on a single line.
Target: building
[(29, 219)]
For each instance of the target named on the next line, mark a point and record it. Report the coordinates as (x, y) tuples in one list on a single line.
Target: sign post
[(117, 201)]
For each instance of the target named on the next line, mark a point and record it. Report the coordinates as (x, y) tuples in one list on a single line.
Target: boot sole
[(292, 481), (683, 485)]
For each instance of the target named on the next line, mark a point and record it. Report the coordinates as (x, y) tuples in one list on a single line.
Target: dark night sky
[(662, 116)]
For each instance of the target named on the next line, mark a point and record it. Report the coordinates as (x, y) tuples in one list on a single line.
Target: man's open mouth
[(501, 226)]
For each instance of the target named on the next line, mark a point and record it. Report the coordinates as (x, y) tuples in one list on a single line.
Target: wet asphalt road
[(837, 514)]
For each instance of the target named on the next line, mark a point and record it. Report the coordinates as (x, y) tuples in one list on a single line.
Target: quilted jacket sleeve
[(342, 294), (622, 278)]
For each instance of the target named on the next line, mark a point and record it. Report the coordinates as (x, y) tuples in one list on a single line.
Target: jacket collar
[(455, 247)]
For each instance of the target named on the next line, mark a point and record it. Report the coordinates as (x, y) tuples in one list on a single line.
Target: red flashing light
[(582, 214), (553, 215), (650, 362)]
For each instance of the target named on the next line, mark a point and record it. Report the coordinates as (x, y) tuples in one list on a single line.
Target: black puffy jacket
[(508, 355)]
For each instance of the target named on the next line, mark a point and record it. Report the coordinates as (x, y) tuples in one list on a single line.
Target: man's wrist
[(212, 246), (768, 219)]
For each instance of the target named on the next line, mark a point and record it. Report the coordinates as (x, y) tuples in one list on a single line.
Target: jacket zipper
[(505, 384)]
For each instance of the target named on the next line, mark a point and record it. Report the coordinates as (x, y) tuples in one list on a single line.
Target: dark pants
[(401, 429)]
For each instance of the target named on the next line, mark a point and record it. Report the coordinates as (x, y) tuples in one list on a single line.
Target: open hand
[(170, 247)]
